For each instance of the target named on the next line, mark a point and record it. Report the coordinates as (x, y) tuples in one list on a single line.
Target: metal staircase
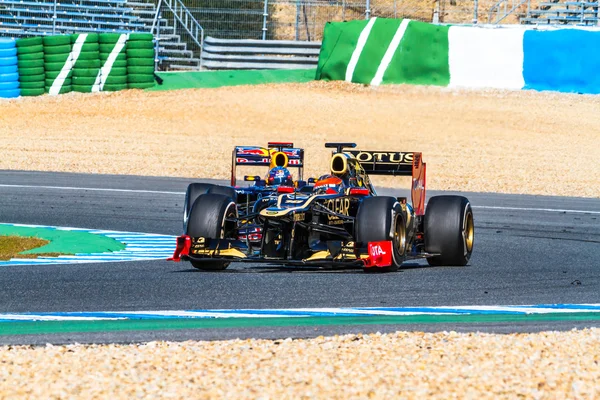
[(178, 34)]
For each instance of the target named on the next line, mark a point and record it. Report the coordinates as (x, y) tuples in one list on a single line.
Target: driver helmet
[(280, 176), (329, 184)]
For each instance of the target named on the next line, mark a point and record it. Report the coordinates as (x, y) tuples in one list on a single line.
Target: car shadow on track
[(304, 270)]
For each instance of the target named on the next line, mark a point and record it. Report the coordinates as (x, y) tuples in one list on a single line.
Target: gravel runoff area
[(441, 365), (513, 142), (493, 141)]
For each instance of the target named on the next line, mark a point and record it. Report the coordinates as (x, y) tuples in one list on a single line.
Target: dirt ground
[(493, 141)]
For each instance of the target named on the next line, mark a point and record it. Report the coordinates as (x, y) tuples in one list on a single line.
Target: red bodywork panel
[(418, 184), (184, 244), (380, 254)]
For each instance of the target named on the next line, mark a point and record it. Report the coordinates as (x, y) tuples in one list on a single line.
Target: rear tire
[(196, 189), (380, 218), (449, 230), (207, 219)]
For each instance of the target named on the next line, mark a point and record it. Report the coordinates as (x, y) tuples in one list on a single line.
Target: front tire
[(378, 219), (449, 230), (194, 190), (209, 219)]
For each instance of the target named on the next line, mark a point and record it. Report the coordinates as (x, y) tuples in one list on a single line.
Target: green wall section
[(420, 58), (215, 79), (62, 241), (339, 41)]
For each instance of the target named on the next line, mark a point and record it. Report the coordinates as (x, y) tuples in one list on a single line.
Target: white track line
[(538, 209), (558, 210), (91, 189)]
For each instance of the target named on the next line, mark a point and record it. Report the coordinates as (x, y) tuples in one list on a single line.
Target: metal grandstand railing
[(35, 17), (580, 13), (504, 8)]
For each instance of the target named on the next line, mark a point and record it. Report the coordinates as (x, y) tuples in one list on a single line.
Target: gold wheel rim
[(469, 232), (400, 236)]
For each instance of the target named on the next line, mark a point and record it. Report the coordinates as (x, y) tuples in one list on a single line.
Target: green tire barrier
[(84, 80), (30, 56), (118, 71), (88, 64), (140, 53), (85, 73), (121, 57), (89, 55), (50, 64), (107, 48), (89, 38), (63, 81), (119, 63), (64, 89), (141, 44), (108, 38), (140, 36), (82, 88), (56, 58), (140, 62), (114, 88), (140, 78), (116, 80), (87, 47), (392, 51), (58, 40), (32, 92), (54, 66), (30, 63), (64, 49), (54, 74), (31, 71), (33, 85), (30, 49), (32, 78), (140, 85), (27, 42), (140, 70)]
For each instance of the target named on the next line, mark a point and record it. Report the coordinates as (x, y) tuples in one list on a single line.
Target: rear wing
[(279, 154), (393, 163)]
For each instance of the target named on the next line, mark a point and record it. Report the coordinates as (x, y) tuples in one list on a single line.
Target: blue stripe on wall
[(566, 60)]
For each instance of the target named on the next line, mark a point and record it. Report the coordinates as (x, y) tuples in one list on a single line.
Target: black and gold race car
[(339, 222)]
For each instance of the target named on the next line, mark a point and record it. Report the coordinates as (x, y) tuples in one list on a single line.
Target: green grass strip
[(215, 79), (64, 242), (49, 327)]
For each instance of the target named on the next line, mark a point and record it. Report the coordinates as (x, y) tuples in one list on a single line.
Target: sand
[(491, 141)]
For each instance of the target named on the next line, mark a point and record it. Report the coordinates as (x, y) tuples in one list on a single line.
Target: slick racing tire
[(208, 219), (449, 230), (196, 189), (380, 218)]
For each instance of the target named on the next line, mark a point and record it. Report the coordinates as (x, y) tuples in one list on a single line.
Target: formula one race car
[(339, 222), (278, 157)]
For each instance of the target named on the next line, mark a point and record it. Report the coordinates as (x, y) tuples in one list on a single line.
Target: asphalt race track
[(528, 250)]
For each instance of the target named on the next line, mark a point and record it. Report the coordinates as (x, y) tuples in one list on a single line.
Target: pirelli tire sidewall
[(376, 220), (208, 219), (449, 230), (194, 190)]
